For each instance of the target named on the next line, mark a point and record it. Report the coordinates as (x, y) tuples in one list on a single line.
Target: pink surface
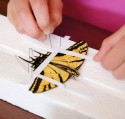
[(82, 31), (106, 14)]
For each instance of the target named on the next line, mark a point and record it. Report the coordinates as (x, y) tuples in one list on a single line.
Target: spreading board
[(96, 94)]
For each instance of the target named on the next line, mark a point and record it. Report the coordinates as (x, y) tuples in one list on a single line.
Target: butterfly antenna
[(30, 50), (31, 58), (35, 51), (25, 60)]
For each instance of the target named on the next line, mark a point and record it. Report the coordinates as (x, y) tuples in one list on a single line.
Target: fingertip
[(37, 34), (102, 52), (49, 30), (98, 57), (42, 37)]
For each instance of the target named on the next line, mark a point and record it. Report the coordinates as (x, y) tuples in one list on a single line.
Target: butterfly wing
[(57, 72), (51, 71), (72, 61)]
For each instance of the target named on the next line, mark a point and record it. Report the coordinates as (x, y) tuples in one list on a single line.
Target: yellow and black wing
[(72, 61), (51, 71), (61, 68)]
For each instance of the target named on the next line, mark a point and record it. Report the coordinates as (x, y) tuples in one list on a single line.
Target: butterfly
[(60, 68)]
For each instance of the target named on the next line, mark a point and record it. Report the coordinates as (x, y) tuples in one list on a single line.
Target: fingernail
[(49, 30), (97, 57)]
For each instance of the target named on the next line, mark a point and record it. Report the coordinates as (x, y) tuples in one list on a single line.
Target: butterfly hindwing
[(41, 85), (51, 71)]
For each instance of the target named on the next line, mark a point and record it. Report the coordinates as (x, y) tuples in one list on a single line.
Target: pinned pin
[(50, 40)]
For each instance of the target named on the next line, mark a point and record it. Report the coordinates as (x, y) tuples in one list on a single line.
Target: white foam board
[(96, 94)]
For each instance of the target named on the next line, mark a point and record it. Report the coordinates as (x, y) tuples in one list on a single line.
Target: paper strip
[(41, 45)]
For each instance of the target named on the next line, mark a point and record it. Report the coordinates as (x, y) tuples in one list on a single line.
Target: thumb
[(105, 48), (109, 43)]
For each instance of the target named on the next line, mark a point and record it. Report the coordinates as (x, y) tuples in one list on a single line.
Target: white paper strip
[(36, 43), (54, 49), (40, 68), (51, 80)]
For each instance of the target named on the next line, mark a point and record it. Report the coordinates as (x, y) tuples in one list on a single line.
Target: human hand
[(112, 54), (35, 18)]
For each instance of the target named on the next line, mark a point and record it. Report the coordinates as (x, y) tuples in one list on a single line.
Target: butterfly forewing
[(72, 61)]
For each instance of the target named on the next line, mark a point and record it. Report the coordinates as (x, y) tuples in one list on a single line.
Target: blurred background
[(72, 25)]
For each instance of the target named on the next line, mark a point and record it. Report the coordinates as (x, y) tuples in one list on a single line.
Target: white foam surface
[(96, 94)]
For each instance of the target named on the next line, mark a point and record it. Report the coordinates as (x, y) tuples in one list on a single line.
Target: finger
[(29, 25), (119, 73), (55, 9), (24, 20), (41, 13), (11, 12), (109, 43), (115, 57)]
